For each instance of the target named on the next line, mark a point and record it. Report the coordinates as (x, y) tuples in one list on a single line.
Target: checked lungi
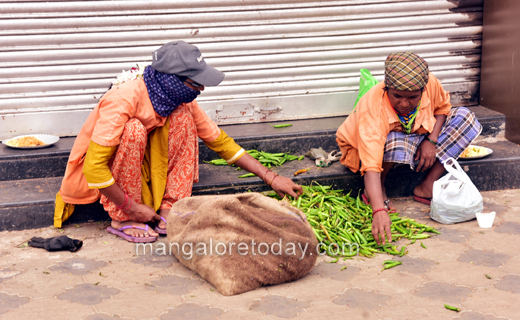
[(459, 130)]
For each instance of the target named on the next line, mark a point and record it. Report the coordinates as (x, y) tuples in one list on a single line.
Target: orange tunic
[(105, 125), (362, 136)]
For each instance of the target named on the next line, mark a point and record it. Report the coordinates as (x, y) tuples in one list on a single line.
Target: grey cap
[(183, 59)]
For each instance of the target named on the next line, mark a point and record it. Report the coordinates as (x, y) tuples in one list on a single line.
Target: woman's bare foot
[(390, 206), (423, 191), (163, 213), (425, 188), (134, 232)]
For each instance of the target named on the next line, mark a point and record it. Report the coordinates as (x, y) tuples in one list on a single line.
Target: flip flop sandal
[(427, 201), (160, 230), (119, 232)]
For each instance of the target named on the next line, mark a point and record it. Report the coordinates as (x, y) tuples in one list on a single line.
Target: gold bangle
[(266, 171), (275, 175), (266, 175)]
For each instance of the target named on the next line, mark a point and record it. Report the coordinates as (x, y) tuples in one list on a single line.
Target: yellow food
[(473, 151), (25, 142)]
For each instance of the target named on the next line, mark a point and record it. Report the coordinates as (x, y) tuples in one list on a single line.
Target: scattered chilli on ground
[(343, 224)]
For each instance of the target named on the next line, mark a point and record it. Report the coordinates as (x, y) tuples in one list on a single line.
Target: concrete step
[(16, 164), (31, 179)]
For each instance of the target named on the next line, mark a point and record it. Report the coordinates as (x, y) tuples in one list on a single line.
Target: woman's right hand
[(381, 220), (380, 226), (142, 213)]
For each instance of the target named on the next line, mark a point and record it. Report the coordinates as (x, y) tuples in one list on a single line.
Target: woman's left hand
[(282, 185), (285, 186), (426, 154)]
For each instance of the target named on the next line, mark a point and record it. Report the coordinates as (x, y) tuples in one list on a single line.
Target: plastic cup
[(485, 220)]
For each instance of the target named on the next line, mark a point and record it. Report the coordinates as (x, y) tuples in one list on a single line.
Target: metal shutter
[(283, 59)]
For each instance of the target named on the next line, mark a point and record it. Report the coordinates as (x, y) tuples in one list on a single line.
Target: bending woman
[(407, 119), (138, 150)]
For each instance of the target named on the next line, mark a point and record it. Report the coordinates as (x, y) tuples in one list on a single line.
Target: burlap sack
[(241, 242)]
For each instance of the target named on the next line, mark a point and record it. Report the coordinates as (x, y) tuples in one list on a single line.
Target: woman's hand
[(142, 213), (285, 186), (426, 154), (282, 185), (381, 221), (137, 212), (380, 225)]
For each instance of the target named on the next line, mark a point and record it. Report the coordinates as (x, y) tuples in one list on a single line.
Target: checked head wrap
[(406, 71), (166, 91)]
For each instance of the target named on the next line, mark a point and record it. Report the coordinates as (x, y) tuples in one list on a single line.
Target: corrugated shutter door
[(283, 59)]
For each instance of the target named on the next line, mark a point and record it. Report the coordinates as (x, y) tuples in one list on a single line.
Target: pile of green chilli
[(343, 224)]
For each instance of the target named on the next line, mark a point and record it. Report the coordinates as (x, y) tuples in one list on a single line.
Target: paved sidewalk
[(476, 270)]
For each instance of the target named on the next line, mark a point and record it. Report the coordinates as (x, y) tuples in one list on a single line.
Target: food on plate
[(25, 142), (474, 151)]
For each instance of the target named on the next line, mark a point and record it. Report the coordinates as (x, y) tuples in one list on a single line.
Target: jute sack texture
[(281, 245)]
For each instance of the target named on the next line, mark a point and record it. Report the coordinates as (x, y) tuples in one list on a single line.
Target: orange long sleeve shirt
[(362, 136), (105, 125)]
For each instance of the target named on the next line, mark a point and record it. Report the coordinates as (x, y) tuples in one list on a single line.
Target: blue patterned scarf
[(166, 91)]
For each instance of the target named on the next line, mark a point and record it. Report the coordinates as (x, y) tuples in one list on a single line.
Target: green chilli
[(402, 252), (247, 175), (265, 158), (217, 162), (390, 264), (451, 308), (346, 222), (281, 125)]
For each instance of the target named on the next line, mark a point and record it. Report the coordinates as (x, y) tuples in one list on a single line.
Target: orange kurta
[(362, 136), (105, 125)]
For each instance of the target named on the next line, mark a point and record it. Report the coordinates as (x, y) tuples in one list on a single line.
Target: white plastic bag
[(455, 197)]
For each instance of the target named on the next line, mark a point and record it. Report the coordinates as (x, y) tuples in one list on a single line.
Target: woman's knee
[(462, 116), (182, 125), (135, 129), (462, 112)]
